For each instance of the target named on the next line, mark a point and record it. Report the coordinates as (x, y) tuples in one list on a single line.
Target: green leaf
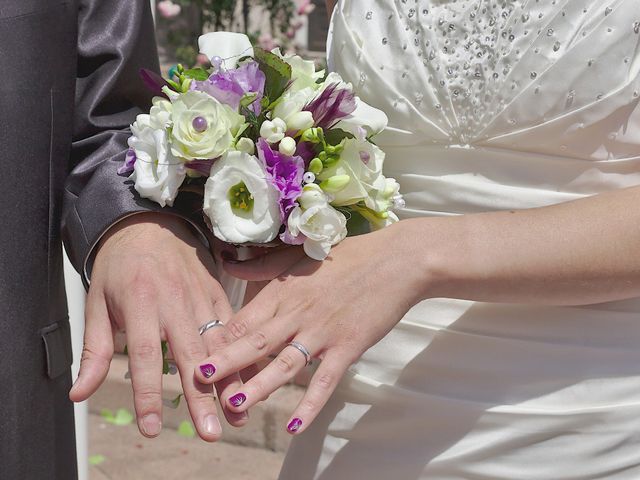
[(96, 459), (175, 403), (199, 74), (356, 223), (121, 418), (186, 429), (277, 71), (336, 135), (107, 415)]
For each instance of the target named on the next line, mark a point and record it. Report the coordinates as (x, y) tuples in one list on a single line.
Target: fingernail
[(238, 399), (295, 425), (151, 424), (207, 370), (212, 425)]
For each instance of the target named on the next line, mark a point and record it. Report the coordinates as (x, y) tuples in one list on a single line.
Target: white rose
[(290, 106), (241, 203), (321, 224), (362, 162), (161, 113), (157, 173), (203, 128), (303, 72), (229, 46), (273, 130)]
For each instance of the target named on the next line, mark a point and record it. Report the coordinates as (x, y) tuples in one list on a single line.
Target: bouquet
[(279, 151)]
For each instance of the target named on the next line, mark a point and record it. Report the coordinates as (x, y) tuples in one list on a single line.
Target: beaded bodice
[(550, 76)]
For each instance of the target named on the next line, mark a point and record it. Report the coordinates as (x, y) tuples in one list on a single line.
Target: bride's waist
[(449, 179)]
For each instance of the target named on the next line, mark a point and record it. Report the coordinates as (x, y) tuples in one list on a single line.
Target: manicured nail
[(207, 370), (151, 424), (212, 425), (295, 425), (238, 399)]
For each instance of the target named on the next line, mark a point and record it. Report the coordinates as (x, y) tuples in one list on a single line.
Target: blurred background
[(109, 444)]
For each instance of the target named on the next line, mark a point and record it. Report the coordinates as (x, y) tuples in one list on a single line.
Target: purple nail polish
[(207, 370), (295, 425), (238, 399)]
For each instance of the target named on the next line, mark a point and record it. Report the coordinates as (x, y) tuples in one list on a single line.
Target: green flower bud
[(312, 135), (322, 156), (316, 166), (248, 99), (335, 183)]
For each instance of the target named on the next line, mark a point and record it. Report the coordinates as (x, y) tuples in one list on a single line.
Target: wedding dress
[(492, 105)]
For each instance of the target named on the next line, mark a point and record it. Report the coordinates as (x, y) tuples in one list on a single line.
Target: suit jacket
[(69, 89)]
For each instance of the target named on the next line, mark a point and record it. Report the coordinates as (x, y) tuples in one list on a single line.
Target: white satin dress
[(493, 105)]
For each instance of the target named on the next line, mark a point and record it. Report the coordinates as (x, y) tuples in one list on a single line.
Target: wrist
[(434, 252)]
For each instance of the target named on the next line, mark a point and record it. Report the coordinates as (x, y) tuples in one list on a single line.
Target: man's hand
[(154, 280)]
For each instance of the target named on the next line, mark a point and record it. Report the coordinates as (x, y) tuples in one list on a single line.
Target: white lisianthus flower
[(157, 174), (362, 162), (289, 109), (229, 46), (303, 72), (242, 205), (273, 130), (203, 128), (322, 225)]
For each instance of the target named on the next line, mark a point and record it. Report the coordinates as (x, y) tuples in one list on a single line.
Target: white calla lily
[(229, 46)]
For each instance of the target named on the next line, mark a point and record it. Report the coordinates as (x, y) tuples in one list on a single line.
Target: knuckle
[(238, 328), (258, 340), (309, 404), (145, 352), (142, 288), (285, 363), (146, 396), (95, 353), (325, 381), (193, 350)]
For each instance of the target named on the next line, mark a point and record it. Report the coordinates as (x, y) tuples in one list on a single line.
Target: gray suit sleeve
[(115, 40)]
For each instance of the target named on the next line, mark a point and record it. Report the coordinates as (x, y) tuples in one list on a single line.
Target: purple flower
[(203, 167), (285, 174), (306, 150), (153, 82), (229, 86), (331, 105), (129, 161)]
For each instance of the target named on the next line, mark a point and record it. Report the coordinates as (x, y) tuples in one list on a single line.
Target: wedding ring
[(211, 324), (303, 350)]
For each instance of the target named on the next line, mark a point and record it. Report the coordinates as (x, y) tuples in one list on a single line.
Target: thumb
[(266, 267), (97, 351)]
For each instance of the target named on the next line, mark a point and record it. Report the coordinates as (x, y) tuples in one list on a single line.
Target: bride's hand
[(337, 309)]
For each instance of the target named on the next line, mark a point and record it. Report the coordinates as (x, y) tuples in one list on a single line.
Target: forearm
[(576, 253)]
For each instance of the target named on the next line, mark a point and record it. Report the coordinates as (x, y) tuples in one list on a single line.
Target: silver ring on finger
[(209, 325), (303, 350)]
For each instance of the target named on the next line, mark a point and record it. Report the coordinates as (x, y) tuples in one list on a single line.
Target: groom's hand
[(153, 279)]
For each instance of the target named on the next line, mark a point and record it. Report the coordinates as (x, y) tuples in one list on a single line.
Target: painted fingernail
[(295, 425), (207, 370), (212, 425), (238, 399), (151, 424)]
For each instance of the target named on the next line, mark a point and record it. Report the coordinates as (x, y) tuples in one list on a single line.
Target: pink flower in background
[(267, 42), (168, 9), (305, 7)]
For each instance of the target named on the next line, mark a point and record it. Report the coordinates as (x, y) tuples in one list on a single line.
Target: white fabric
[(493, 105)]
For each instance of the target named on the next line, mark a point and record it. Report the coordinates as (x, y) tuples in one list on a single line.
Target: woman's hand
[(337, 309), (153, 279)]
